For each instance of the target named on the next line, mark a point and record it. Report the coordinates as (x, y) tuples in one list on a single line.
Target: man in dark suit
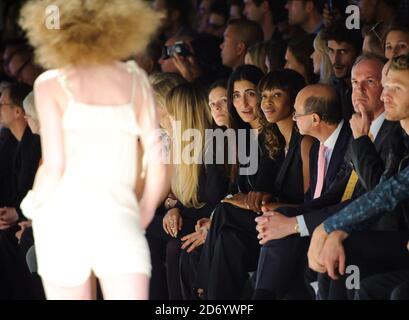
[(8, 144), (362, 168), (25, 161), (318, 114), (373, 252)]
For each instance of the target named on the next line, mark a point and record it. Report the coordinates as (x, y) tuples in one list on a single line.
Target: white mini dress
[(90, 222)]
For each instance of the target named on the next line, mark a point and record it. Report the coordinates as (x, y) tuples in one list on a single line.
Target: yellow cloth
[(353, 179)]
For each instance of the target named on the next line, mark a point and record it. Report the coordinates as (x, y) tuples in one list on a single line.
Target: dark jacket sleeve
[(367, 162)]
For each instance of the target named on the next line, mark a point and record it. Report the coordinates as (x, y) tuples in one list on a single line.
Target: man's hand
[(238, 200), (8, 217), (187, 67), (255, 200), (23, 225), (332, 256), (273, 225), (172, 222), (317, 243), (360, 123)]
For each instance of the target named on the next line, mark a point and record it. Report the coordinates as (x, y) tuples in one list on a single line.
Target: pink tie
[(320, 171)]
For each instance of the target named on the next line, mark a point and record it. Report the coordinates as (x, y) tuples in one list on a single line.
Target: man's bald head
[(321, 99)]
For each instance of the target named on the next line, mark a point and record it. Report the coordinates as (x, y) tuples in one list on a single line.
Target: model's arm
[(156, 174), (50, 113)]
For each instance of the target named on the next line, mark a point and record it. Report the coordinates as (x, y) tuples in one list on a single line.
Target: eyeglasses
[(297, 115)]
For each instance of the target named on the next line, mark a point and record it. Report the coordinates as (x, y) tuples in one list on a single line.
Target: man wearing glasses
[(366, 158), (25, 161)]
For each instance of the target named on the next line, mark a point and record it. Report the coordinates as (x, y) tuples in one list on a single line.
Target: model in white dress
[(90, 221)]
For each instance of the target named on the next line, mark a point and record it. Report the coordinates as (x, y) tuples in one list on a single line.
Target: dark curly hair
[(289, 81)]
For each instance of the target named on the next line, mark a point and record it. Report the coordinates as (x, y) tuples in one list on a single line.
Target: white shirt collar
[(332, 139), (376, 125)]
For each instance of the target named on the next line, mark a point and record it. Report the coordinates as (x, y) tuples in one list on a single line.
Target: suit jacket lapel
[(337, 157), (287, 160)]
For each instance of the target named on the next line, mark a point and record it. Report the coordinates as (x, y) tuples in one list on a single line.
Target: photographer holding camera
[(196, 59)]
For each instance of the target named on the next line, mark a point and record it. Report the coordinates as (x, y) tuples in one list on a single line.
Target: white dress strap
[(62, 79), (133, 68)]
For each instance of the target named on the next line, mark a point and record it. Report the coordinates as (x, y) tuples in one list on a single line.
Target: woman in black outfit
[(231, 247), (278, 91), (197, 186)]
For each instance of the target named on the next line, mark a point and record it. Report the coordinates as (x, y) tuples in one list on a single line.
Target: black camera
[(179, 48)]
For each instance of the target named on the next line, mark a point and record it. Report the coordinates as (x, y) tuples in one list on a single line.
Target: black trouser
[(165, 252), (188, 272), (281, 268), (373, 252), (231, 251), (383, 286), (401, 292), (15, 277)]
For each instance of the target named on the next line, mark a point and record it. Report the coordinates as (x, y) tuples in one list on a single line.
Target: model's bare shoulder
[(49, 76)]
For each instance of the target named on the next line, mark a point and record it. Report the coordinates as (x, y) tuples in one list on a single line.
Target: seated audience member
[(322, 64), (343, 47), (282, 261), (275, 55), (369, 160), (162, 83), (372, 12), (298, 57), (396, 41), (217, 20), (149, 60), (373, 39), (25, 163), (239, 35), (231, 248), (177, 18), (196, 59), (267, 13), (236, 8), (333, 247), (306, 14), (257, 55), (21, 67), (192, 245), (197, 186)]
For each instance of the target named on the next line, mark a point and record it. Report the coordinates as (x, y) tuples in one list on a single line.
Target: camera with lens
[(179, 48)]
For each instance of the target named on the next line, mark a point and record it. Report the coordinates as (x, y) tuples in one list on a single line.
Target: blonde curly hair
[(91, 31)]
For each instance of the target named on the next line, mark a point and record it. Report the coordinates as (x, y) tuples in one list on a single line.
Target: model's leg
[(131, 286), (82, 292)]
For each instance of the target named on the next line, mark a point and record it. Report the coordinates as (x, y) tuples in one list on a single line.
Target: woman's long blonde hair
[(187, 104), (87, 31), (326, 68)]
